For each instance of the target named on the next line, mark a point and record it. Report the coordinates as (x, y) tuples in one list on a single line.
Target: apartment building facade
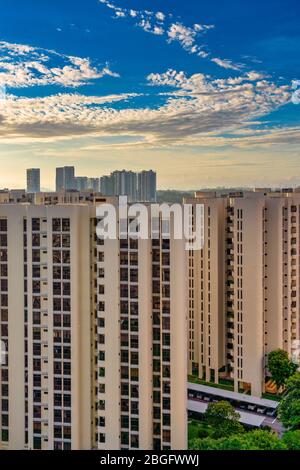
[(95, 333), (244, 287)]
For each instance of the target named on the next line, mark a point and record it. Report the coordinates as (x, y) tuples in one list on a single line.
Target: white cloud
[(227, 64), (253, 76), (158, 30), (16, 49), (160, 16), (199, 109), (159, 23), (133, 13), (25, 66), (184, 35)]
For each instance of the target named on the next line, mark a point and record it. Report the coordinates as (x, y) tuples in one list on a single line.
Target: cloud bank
[(195, 108), (24, 66)]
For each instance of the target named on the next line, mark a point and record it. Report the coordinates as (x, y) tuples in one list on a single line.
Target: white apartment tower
[(244, 286), (95, 334)]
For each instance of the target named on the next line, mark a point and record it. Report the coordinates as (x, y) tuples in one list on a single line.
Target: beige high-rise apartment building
[(95, 332), (244, 286)]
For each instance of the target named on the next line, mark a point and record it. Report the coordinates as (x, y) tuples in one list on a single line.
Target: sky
[(207, 93)]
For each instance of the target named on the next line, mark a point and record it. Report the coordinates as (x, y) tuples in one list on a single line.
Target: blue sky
[(205, 92)]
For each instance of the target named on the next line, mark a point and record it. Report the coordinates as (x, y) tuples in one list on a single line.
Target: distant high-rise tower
[(137, 186), (65, 178), (69, 177), (125, 183), (59, 183), (106, 185), (33, 180), (93, 184), (147, 186), (81, 183)]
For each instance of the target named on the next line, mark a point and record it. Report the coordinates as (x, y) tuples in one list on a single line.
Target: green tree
[(293, 384), (263, 440), (289, 407), (292, 440), (289, 411), (223, 419), (205, 444), (252, 440), (280, 366)]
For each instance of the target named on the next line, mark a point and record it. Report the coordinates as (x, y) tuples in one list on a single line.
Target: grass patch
[(224, 384), (271, 396)]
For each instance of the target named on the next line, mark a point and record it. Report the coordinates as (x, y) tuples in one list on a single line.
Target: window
[(67, 401), (124, 438), (101, 273), (36, 271), (66, 272), (5, 435), (56, 272), (134, 441), (3, 225), (166, 403), (66, 305), (101, 421), (101, 289), (57, 304), (67, 321), (4, 420), (36, 256), (66, 257), (56, 242), (66, 288), (3, 255), (4, 315), (56, 257), (4, 285), (56, 225), (65, 225), (57, 432), (3, 240), (134, 259), (124, 421), (135, 407), (4, 270), (35, 239), (66, 241)]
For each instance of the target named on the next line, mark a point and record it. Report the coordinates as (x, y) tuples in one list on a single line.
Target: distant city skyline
[(137, 186), (213, 102), (295, 183)]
